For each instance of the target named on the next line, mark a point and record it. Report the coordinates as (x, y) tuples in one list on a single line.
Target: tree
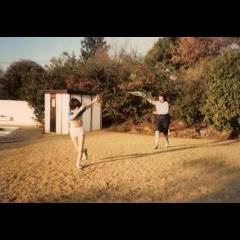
[(103, 75), (90, 45), (60, 69), (161, 52), (31, 90), (227, 41), (15, 77), (190, 50), (190, 97), (3, 89), (24, 80), (221, 108), (151, 81)]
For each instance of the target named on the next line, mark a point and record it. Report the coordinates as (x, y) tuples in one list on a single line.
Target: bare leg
[(166, 139), (157, 135), (75, 143), (80, 149), (76, 146)]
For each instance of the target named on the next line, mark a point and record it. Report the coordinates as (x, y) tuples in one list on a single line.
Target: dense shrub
[(190, 50), (3, 90), (24, 81), (31, 91), (103, 75), (222, 105), (161, 52), (190, 96), (149, 81), (191, 89), (15, 77)]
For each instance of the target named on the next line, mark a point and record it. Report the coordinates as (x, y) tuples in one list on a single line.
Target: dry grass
[(177, 129), (122, 168)]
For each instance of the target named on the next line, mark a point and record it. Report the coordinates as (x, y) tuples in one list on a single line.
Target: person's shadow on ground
[(176, 148)]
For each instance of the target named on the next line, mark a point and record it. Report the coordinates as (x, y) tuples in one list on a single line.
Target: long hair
[(74, 103)]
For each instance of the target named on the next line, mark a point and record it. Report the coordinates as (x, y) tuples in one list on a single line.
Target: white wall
[(19, 111), (62, 110), (87, 115), (59, 113), (96, 116), (47, 113), (65, 112)]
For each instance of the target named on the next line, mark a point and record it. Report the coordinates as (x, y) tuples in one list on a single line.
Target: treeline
[(200, 76)]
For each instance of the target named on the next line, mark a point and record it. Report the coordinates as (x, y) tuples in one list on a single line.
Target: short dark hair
[(74, 103), (163, 95)]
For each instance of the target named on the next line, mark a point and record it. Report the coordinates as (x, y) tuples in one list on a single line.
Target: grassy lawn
[(121, 168)]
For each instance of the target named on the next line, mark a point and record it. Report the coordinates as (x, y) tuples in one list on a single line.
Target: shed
[(57, 109)]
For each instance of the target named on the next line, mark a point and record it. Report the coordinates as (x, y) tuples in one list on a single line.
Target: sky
[(42, 49)]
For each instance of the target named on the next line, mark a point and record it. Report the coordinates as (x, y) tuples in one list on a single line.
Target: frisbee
[(138, 94)]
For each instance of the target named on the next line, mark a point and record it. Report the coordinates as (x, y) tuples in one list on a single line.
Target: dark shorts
[(162, 123)]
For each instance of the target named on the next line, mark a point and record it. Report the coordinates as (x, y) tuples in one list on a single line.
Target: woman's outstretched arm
[(96, 99), (151, 101), (73, 116)]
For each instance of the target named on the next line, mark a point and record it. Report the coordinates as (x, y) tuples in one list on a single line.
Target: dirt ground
[(121, 168)]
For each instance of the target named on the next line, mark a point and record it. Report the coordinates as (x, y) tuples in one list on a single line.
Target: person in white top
[(163, 119)]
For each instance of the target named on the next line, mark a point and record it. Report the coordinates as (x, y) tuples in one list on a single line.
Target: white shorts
[(75, 132)]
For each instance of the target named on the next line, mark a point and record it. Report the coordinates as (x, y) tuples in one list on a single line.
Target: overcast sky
[(42, 49)]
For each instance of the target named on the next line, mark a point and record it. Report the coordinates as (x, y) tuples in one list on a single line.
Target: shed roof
[(66, 91)]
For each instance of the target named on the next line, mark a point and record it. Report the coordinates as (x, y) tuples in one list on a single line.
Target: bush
[(221, 108), (31, 91), (191, 91), (161, 52), (3, 88), (149, 81), (102, 75), (190, 96), (15, 77), (24, 81)]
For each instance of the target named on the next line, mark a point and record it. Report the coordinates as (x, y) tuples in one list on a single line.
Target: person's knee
[(80, 150)]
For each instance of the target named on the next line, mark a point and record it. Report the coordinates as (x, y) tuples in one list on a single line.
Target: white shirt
[(162, 108)]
